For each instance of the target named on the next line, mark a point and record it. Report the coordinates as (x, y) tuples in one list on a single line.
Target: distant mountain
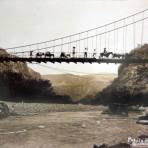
[(79, 87)]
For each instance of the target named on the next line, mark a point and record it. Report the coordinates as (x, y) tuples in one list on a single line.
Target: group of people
[(74, 54), (85, 52), (40, 54)]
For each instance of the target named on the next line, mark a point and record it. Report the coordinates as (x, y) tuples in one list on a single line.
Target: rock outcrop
[(131, 85), (17, 80), (17, 67), (4, 110)]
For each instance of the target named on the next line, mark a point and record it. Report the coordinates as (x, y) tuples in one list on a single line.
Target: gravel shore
[(35, 108)]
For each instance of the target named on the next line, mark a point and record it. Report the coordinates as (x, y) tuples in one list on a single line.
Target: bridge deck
[(69, 60)]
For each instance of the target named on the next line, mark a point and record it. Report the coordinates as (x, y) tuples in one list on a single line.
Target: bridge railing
[(69, 55)]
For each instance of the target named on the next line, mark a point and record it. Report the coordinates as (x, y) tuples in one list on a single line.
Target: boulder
[(4, 110)]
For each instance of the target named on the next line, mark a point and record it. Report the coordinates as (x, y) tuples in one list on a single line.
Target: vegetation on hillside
[(131, 86), (18, 82)]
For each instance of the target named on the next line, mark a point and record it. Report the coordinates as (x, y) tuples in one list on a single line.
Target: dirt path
[(66, 130)]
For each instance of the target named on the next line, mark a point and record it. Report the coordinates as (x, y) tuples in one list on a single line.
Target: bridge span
[(73, 60), (95, 45)]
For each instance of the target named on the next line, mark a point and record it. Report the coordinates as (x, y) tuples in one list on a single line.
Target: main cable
[(80, 32)]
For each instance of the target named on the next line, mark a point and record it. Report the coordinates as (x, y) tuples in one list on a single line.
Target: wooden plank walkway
[(71, 60)]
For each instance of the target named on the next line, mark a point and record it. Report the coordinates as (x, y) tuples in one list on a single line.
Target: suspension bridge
[(109, 43)]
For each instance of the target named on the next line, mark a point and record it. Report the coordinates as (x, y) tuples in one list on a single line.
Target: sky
[(30, 21)]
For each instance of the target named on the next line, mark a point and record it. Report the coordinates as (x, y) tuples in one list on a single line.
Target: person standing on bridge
[(31, 53), (85, 52), (94, 54), (74, 51), (105, 51)]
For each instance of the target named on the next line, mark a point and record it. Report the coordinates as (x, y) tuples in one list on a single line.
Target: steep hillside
[(131, 86), (79, 87), (17, 67), (18, 82)]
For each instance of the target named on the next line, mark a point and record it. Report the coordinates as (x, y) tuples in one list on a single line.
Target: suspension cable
[(123, 36), (100, 42), (79, 43), (70, 45), (117, 40), (93, 43), (142, 31), (86, 38), (134, 31), (53, 46), (114, 37), (96, 40), (80, 32), (61, 45), (108, 41), (105, 37)]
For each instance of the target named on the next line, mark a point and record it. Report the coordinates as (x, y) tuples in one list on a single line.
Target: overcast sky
[(29, 21)]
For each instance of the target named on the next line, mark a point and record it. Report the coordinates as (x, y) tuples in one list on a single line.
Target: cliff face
[(131, 86), (18, 67), (19, 81)]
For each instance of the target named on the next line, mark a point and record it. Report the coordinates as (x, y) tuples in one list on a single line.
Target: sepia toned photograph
[(74, 74)]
